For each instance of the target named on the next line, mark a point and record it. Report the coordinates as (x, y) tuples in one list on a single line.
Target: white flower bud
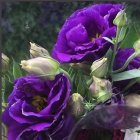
[(46, 67), (76, 105), (99, 68), (37, 51), (5, 62), (132, 100), (121, 19)]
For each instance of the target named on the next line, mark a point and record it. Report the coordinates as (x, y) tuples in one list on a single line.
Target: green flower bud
[(137, 46), (37, 51), (99, 68), (103, 96), (5, 62), (46, 67), (121, 19), (76, 105), (101, 89)]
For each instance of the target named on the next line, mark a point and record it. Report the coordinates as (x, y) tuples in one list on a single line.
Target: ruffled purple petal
[(104, 9), (77, 39), (64, 128), (21, 117), (122, 56)]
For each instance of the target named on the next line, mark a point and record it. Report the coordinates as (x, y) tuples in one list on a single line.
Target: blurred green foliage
[(40, 22), (37, 22), (133, 15)]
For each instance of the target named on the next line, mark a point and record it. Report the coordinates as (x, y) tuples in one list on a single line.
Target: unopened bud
[(37, 51), (5, 62), (76, 105), (45, 67), (103, 96), (137, 46), (132, 100), (121, 19), (99, 68), (101, 89)]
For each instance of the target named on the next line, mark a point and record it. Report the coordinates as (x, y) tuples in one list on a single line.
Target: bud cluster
[(37, 51), (121, 19), (101, 89), (46, 67)]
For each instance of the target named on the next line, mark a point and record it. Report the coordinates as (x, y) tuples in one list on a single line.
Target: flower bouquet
[(87, 88)]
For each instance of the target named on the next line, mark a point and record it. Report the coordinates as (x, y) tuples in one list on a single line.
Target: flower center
[(39, 102), (96, 36)]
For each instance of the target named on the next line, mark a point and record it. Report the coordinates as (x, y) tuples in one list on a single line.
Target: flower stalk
[(134, 55), (115, 48)]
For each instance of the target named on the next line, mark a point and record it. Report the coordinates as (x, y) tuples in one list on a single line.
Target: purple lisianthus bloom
[(36, 109), (80, 38), (122, 55)]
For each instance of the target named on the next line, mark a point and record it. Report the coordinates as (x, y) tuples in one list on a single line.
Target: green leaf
[(108, 39), (135, 73), (109, 59), (81, 87), (7, 90), (16, 70), (122, 33), (130, 37), (76, 80), (71, 71), (3, 89), (9, 77), (3, 82), (109, 53), (73, 76)]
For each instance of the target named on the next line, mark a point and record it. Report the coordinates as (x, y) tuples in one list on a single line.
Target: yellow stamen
[(96, 36), (39, 102)]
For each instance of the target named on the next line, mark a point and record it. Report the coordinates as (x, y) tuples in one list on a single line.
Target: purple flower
[(80, 38), (36, 109), (121, 57)]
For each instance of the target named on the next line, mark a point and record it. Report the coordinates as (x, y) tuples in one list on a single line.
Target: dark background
[(37, 22), (40, 22)]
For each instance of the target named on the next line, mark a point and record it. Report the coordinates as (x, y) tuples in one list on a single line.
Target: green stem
[(115, 48), (126, 63)]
